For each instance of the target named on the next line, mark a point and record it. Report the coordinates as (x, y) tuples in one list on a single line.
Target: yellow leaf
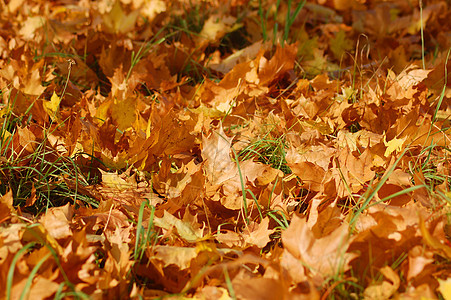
[(123, 113), (172, 255), (38, 233), (113, 180), (184, 229), (5, 136), (393, 145), (433, 241), (28, 30), (51, 107), (445, 288), (211, 112), (216, 27), (116, 21), (319, 125), (149, 126), (4, 111), (117, 162), (102, 111), (340, 44)]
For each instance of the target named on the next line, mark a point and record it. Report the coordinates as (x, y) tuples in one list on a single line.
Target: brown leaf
[(328, 220), (218, 165), (38, 233), (179, 256), (323, 256), (42, 288), (433, 241), (184, 229), (259, 288), (56, 221), (385, 289), (356, 170), (6, 206), (258, 234), (311, 174)]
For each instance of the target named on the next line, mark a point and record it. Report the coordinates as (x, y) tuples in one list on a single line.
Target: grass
[(144, 50), (10, 276), (35, 232), (267, 15), (39, 180), (144, 239), (268, 150), (36, 172)]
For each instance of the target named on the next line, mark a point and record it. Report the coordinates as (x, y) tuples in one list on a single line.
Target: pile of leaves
[(225, 149)]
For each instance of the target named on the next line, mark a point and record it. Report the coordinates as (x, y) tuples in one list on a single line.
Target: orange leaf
[(38, 233), (385, 289), (258, 234), (311, 174), (324, 255), (432, 241), (216, 153)]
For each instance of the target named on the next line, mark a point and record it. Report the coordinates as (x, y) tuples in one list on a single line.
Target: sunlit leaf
[(52, 106)]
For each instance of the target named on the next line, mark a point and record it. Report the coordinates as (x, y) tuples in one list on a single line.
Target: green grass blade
[(31, 276), (10, 276)]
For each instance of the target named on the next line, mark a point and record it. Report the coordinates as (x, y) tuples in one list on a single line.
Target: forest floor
[(225, 149)]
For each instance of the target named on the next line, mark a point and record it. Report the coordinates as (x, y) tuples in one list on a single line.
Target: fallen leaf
[(445, 288), (52, 106), (218, 165), (385, 289), (322, 256), (433, 241), (258, 234), (184, 229)]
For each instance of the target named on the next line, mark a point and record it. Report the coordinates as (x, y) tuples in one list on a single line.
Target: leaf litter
[(224, 150)]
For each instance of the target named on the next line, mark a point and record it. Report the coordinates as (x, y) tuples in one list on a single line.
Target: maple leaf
[(183, 186), (393, 145), (218, 165), (41, 288), (6, 205), (260, 288), (184, 229), (278, 65), (30, 26), (151, 8), (340, 44), (24, 76), (433, 241), (418, 260), (38, 233), (52, 106), (356, 170), (385, 289), (325, 255), (240, 56), (114, 180), (445, 288), (117, 21), (311, 174), (179, 256), (56, 221), (215, 28), (258, 234), (156, 86)]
